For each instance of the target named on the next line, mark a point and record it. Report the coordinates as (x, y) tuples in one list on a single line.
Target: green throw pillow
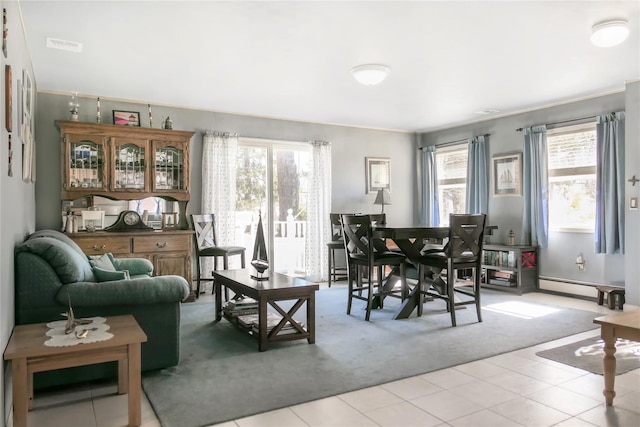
[(103, 275), (103, 262)]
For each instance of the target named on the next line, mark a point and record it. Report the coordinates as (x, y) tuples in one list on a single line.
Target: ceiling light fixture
[(609, 33), (370, 74)]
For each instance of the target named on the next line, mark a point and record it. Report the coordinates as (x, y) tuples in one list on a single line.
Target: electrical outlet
[(633, 203)]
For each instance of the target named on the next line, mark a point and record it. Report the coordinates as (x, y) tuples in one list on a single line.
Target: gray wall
[(17, 198), (558, 260), (349, 148), (632, 167)]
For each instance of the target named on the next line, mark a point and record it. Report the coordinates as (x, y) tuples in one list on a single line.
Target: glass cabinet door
[(129, 165), (85, 164), (169, 168)]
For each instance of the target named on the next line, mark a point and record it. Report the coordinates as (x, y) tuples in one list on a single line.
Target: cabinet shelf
[(512, 268), (101, 159)]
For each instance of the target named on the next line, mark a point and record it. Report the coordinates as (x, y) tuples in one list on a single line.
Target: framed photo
[(4, 32), (126, 118), (169, 220), (8, 119), (26, 113), (378, 174), (507, 174)]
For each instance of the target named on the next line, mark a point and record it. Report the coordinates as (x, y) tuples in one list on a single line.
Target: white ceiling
[(292, 60)]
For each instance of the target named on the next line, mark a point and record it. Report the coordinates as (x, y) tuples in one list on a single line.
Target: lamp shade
[(370, 74), (610, 33), (383, 197)]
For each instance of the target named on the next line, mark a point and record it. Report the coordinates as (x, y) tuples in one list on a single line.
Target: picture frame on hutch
[(507, 174), (377, 174), (126, 118)]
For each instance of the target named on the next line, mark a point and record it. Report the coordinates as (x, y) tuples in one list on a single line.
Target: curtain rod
[(444, 144), (561, 122)]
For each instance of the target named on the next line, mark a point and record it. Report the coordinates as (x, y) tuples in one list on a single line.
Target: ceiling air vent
[(64, 45)]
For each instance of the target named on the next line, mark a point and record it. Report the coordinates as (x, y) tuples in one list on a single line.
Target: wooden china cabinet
[(130, 163)]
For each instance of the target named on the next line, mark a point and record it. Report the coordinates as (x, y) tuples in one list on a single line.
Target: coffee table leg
[(262, 325), (217, 290), (311, 317), (609, 363), (135, 385), (20, 392)]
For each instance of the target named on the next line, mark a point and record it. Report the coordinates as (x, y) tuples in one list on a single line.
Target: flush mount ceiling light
[(609, 33), (370, 74)]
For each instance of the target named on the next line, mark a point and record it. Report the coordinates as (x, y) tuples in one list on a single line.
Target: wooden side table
[(28, 354)]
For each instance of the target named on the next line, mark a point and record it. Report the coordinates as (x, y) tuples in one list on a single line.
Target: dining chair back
[(206, 245), (336, 272), (463, 250), (367, 255)]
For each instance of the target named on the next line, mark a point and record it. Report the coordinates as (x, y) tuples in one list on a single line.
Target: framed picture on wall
[(377, 174), (8, 119), (26, 113), (507, 174)]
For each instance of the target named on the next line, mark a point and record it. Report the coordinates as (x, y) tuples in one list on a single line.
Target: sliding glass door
[(272, 179)]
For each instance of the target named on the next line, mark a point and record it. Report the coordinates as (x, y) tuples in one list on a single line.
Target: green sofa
[(50, 269)]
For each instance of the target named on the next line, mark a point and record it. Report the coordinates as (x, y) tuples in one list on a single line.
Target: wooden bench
[(614, 295)]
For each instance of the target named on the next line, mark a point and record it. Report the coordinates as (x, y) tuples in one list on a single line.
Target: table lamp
[(383, 198)]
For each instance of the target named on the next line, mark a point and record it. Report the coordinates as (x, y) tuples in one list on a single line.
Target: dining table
[(411, 240)]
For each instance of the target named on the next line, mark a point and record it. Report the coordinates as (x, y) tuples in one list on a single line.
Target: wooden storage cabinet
[(170, 251), (123, 162), (512, 268)]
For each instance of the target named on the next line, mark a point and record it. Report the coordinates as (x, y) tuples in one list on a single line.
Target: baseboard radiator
[(569, 287)]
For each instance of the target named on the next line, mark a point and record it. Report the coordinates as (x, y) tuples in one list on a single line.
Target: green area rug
[(222, 376), (588, 354)]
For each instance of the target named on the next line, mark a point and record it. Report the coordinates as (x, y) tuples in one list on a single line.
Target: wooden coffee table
[(278, 287), (613, 326), (28, 354)]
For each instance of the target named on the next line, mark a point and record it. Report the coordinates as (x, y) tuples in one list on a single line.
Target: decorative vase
[(260, 261), (168, 123)]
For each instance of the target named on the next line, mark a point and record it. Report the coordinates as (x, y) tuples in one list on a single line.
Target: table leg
[(311, 317), (30, 386), (262, 325), (20, 392), (123, 381), (135, 385), (217, 291), (609, 363)]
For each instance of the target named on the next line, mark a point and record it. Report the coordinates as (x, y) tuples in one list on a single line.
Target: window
[(572, 178), (451, 167)]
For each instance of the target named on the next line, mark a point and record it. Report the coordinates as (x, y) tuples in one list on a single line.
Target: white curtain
[(319, 207), (219, 157)]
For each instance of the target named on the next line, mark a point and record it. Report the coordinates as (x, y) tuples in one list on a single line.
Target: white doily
[(97, 332)]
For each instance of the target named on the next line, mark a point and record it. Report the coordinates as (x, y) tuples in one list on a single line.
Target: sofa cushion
[(103, 275), (103, 262), (137, 291), (69, 265), (55, 234)]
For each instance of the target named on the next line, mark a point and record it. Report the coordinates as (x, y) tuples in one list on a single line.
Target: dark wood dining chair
[(463, 250), (367, 255), (206, 246)]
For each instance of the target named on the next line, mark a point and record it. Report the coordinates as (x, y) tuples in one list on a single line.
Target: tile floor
[(512, 389)]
